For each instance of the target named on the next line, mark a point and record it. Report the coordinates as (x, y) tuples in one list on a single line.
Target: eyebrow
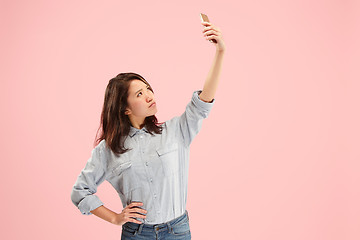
[(140, 90)]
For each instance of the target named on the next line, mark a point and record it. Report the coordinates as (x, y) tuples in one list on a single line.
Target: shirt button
[(147, 164), (154, 195), (141, 136), (150, 179)]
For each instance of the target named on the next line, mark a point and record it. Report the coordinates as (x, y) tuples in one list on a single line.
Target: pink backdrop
[(280, 148)]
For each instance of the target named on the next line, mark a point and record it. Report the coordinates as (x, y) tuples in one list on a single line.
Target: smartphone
[(205, 18)]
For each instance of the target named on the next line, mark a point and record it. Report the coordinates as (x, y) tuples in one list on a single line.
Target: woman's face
[(139, 100)]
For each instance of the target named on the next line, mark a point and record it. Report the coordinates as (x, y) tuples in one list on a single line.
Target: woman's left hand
[(212, 32)]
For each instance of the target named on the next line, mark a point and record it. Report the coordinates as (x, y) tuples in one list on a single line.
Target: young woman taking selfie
[(146, 162)]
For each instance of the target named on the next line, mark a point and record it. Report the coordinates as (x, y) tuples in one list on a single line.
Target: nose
[(149, 96)]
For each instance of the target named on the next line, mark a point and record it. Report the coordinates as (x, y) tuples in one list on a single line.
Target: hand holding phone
[(205, 18)]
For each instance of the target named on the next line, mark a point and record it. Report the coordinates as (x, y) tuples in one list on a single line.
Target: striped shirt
[(154, 172)]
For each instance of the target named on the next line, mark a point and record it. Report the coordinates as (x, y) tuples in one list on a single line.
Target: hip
[(178, 228)]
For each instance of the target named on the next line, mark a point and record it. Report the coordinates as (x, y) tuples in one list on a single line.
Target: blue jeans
[(177, 228)]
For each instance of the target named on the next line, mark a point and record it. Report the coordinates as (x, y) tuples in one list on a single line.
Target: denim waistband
[(160, 226)]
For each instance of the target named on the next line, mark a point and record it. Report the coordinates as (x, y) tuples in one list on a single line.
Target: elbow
[(206, 99), (75, 197)]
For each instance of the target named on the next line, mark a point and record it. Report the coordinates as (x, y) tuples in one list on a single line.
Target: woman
[(146, 162)]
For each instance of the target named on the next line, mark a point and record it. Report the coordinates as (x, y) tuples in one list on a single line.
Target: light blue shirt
[(155, 172)]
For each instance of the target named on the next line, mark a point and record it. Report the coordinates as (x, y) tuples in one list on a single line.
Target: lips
[(152, 104)]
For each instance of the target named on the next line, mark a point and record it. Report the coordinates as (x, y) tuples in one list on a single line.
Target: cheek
[(138, 107)]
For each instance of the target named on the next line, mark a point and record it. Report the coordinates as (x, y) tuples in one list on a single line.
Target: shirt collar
[(134, 131)]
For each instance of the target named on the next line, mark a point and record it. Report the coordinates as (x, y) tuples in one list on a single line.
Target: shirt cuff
[(200, 103), (89, 203)]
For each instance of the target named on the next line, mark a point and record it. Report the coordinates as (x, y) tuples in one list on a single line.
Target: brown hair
[(114, 123)]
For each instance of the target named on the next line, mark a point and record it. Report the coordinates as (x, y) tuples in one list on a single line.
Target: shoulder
[(104, 152), (101, 146)]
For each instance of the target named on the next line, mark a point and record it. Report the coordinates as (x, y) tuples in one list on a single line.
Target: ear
[(127, 111)]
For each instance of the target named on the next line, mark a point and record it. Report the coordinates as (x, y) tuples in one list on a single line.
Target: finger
[(213, 37), (133, 204), (206, 23), (135, 210), (134, 221), (211, 32), (138, 215), (211, 28), (135, 215)]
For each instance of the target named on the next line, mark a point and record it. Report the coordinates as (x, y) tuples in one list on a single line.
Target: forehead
[(136, 85)]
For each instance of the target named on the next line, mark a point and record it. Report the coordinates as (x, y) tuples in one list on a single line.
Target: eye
[(148, 87)]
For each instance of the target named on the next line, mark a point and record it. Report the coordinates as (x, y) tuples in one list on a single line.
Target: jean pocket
[(129, 230), (169, 156), (181, 228)]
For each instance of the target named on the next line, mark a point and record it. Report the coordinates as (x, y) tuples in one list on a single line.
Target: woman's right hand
[(130, 212)]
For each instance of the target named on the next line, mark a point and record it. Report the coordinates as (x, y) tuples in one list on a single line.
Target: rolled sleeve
[(191, 120), (91, 176)]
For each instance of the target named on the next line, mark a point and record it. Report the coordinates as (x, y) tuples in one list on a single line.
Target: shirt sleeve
[(191, 120), (91, 176)]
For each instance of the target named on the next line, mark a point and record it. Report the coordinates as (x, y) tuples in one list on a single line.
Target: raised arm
[(212, 79)]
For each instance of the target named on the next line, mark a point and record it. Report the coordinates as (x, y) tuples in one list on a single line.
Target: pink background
[(278, 157)]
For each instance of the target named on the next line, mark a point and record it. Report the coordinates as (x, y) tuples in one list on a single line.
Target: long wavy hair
[(114, 123)]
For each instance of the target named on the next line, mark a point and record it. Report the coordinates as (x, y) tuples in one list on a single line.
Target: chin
[(152, 114)]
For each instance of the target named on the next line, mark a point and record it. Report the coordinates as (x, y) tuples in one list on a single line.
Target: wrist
[(220, 51), (113, 219)]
